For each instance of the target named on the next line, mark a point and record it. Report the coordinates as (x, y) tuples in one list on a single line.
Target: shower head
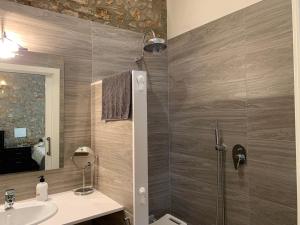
[(154, 44)]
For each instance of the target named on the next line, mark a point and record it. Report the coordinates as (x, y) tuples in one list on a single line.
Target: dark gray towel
[(116, 97)]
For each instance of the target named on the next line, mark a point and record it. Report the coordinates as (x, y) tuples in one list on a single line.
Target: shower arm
[(143, 44), (141, 58)]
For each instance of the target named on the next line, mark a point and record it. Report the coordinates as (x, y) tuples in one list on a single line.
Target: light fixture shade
[(3, 83), (8, 48)]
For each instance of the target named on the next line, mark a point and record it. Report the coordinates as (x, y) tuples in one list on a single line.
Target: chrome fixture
[(49, 153), (152, 44), (84, 158), (219, 145), (10, 198), (239, 156), (221, 154), (8, 47)]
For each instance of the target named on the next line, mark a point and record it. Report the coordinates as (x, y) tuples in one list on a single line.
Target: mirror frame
[(52, 67)]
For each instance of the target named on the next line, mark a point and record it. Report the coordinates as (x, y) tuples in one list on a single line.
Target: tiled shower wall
[(91, 51), (237, 70)]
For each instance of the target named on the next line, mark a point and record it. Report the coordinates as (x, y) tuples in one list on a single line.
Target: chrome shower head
[(154, 44)]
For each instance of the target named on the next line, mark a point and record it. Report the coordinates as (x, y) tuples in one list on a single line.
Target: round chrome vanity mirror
[(84, 158)]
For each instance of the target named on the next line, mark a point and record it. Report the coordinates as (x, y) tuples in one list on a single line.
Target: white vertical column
[(296, 34), (140, 148)]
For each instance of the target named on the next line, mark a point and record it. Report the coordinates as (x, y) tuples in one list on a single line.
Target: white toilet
[(169, 220)]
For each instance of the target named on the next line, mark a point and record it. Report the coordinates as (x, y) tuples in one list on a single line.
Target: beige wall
[(187, 15), (112, 142)]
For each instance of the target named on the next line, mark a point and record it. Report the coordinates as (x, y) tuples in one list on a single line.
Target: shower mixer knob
[(241, 159), (239, 156)]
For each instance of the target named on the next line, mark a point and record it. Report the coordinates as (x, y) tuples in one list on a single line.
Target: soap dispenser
[(42, 190)]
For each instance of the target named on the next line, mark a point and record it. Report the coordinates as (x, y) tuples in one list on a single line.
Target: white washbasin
[(27, 213)]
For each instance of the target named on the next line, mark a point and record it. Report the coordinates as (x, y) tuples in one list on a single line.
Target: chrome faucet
[(10, 198)]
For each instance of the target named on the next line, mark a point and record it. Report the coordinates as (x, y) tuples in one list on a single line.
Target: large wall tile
[(193, 198), (267, 212), (279, 185)]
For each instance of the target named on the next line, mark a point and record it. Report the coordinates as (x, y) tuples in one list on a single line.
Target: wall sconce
[(3, 86), (8, 48)]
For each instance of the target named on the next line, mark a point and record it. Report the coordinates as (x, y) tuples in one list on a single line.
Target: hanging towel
[(116, 97)]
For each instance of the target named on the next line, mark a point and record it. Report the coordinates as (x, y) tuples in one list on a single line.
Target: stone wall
[(136, 15), (22, 105)]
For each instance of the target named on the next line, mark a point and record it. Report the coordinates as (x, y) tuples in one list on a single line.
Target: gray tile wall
[(238, 70), (92, 51), (158, 134)]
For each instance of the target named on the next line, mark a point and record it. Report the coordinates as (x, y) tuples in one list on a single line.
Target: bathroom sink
[(27, 213)]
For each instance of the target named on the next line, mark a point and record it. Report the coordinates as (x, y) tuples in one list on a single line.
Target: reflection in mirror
[(22, 122), (30, 122)]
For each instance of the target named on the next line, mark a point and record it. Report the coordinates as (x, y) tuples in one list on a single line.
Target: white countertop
[(74, 209)]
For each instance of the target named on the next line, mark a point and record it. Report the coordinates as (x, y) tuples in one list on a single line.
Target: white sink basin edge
[(28, 213)]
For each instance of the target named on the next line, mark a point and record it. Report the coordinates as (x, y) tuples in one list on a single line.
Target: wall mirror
[(31, 113)]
